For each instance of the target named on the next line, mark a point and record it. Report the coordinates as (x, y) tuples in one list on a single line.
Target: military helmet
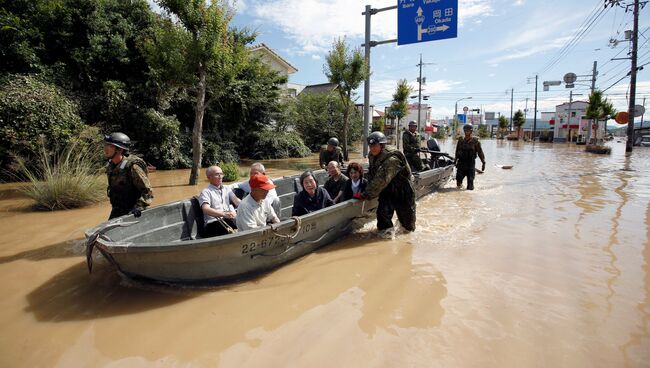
[(333, 142), (468, 127), (377, 137), (413, 122), (118, 139)]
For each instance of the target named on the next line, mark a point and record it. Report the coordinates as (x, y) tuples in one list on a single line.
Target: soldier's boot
[(470, 184), (459, 184)]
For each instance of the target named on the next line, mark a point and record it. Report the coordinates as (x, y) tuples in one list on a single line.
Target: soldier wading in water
[(390, 179), (128, 185), (467, 149), (411, 147)]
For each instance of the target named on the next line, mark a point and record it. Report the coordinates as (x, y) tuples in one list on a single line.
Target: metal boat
[(165, 243)]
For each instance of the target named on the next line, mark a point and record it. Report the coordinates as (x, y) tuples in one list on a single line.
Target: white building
[(277, 63), (569, 126), (425, 115)]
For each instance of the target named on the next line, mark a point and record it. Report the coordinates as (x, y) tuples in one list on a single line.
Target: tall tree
[(399, 107), (199, 53), (346, 68), (503, 125), (598, 110), (518, 121)]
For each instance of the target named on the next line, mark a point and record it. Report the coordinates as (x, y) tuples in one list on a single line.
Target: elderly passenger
[(311, 198), (217, 203), (272, 196), (336, 182), (254, 211)]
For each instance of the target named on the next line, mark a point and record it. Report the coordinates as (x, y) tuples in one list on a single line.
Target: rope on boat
[(92, 240), (298, 223)]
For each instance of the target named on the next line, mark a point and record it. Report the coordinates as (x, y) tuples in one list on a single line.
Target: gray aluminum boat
[(165, 243)]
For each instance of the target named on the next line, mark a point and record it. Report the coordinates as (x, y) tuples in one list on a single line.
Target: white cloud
[(491, 75), (382, 89), (314, 24), (531, 50), (519, 3), (315, 57)]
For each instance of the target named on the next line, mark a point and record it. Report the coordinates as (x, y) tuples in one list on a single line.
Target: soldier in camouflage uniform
[(390, 179), (411, 147), (128, 185), (332, 152), (467, 149)]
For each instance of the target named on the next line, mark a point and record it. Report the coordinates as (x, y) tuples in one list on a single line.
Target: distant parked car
[(645, 141)]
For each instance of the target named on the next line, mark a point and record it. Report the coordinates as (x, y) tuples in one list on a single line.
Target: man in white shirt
[(272, 197), (254, 211), (218, 204)]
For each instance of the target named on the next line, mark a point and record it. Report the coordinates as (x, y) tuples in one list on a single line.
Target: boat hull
[(164, 244)]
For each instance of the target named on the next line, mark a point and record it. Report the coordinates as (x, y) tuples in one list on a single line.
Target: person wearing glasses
[(218, 204)]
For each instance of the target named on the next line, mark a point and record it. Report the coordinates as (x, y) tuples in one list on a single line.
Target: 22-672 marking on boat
[(264, 244)]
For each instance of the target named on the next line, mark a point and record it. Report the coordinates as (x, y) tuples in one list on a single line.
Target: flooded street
[(544, 265)]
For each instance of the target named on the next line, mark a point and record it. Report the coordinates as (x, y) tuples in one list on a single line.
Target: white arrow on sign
[(441, 28)]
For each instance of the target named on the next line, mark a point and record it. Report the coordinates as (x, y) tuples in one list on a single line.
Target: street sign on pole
[(426, 20)]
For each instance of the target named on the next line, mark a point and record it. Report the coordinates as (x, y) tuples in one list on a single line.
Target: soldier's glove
[(136, 212), (358, 196), (483, 167)]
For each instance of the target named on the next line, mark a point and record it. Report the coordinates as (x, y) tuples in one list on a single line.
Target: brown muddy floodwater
[(544, 265)]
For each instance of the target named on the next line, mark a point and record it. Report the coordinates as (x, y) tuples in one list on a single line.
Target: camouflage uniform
[(466, 152), (411, 147), (128, 185), (327, 156), (390, 179)]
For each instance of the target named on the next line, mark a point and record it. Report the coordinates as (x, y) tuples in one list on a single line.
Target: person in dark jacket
[(356, 182), (331, 152), (467, 149), (128, 184), (391, 180), (311, 198), (411, 147)]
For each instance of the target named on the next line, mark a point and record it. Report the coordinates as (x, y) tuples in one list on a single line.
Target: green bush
[(161, 142), (64, 178), (217, 153), (30, 108), (267, 145), (230, 171)]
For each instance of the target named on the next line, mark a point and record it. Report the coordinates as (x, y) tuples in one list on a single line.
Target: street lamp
[(456, 111)]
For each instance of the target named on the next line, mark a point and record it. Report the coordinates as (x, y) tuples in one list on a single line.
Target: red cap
[(261, 181)]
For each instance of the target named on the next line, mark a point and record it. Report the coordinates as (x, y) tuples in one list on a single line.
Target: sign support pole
[(367, 114)]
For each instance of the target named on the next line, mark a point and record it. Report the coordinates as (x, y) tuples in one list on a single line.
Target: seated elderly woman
[(311, 198), (356, 183)]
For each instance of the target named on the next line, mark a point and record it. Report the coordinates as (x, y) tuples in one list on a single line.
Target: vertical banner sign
[(426, 20)]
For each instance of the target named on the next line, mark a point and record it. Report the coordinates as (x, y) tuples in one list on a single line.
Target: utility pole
[(419, 92), (535, 116), (568, 124), (512, 93), (642, 115), (593, 87), (635, 38)]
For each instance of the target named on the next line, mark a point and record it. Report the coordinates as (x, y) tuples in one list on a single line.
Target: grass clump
[(63, 178), (230, 171)]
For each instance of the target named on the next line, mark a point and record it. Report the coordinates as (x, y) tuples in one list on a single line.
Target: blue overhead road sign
[(426, 20)]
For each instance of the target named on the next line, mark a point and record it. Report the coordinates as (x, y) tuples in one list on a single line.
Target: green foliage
[(518, 119), (378, 125), (64, 178), (230, 171), (346, 68), (163, 144), (441, 133), (268, 144), (319, 117), (399, 107), (30, 108), (599, 109), (483, 131), (216, 153), (503, 125)]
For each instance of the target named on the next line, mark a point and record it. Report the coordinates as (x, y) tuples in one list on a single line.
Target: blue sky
[(500, 45)]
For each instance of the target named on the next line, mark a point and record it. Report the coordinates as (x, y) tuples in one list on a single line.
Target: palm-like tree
[(503, 125), (347, 69), (518, 121), (599, 110), (399, 107)]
